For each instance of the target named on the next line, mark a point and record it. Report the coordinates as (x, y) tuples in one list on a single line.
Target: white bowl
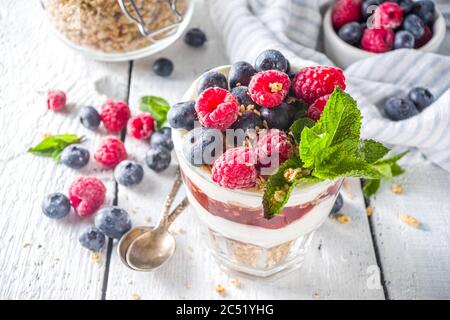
[(344, 54)]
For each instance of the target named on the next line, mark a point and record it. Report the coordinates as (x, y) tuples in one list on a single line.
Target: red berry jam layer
[(254, 216)]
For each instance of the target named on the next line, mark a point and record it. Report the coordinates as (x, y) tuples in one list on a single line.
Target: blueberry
[(368, 8), (56, 205), (421, 97), (248, 121), (280, 117), (114, 222), (89, 118), (298, 109), (202, 146), (242, 96), (158, 159), (351, 33), (414, 25), (195, 37), (338, 204), (161, 138), (75, 156), (404, 39), (128, 173), (212, 79), (399, 109), (163, 67), (425, 10), (288, 69), (92, 239), (182, 115), (240, 74), (167, 131), (271, 60), (407, 5)]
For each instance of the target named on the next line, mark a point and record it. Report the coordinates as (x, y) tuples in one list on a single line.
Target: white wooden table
[(375, 257)]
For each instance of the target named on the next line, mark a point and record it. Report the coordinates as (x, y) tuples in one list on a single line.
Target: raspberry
[(114, 115), (314, 82), (217, 108), (111, 152), (388, 15), (315, 110), (269, 88), (378, 40), (56, 100), (423, 40), (235, 169), (141, 126), (345, 11), (86, 194), (273, 143)]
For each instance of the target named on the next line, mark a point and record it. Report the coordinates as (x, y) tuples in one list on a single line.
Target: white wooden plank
[(416, 262), (54, 265), (340, 255)]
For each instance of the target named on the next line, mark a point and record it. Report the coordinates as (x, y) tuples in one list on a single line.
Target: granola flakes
[(101, 24)]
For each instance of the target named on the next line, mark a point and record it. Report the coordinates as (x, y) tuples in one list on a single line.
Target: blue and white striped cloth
[(293, 27)]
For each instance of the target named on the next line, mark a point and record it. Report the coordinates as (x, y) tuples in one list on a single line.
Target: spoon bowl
[(127, 239), (151, 250)]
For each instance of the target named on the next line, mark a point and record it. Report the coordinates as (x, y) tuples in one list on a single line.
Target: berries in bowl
[(359, 29), (264, 163)]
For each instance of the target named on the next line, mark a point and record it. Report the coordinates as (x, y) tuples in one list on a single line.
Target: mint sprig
[(331, 149), (157, 107), (52, 146)]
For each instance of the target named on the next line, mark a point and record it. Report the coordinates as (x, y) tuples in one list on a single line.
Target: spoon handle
[(171, 196), (176, 212)]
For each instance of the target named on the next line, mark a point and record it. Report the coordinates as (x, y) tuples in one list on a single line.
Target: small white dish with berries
[(360, 29), (263, 150)]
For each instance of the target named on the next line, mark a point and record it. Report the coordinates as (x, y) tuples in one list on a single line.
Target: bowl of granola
[(263, 152), (118, 30)]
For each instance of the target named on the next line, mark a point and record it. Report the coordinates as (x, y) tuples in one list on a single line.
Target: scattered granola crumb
[(346, 184), (275, 87), (220, 289), (25, 244), (260, 183), (341, 218), (95, 257), (369, 211), (148, 218), (316, 296), (188, 286), (397, 188), (46, 135), (135, 296), (293, 174), (409, 220), (190, 249), (235, 282)]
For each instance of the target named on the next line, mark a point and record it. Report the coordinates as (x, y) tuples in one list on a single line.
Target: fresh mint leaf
[(338, 127), (371, 151), (280, 185), (52, 146), (298, 126), (370, 187), (157, 107)]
